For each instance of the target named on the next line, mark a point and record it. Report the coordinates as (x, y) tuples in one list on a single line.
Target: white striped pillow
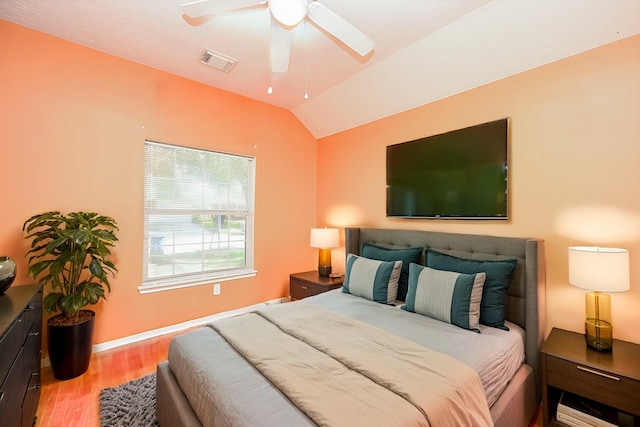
[(445, 295), (372, 279)]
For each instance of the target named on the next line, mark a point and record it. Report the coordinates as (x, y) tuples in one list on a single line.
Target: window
[(198, 217)]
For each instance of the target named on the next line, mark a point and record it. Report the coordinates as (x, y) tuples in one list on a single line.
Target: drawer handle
[(1, 395), (602, 374), (35, 387), (34, 334), (304, 287)]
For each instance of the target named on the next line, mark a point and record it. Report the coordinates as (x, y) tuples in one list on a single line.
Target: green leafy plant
[(70, 252)]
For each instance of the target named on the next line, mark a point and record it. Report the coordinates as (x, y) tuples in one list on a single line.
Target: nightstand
[(612, 379), (309, 283)]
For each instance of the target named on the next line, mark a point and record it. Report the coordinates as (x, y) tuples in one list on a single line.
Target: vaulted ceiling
[(424, 50)]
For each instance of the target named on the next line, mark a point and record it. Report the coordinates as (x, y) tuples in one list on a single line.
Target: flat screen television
[(459, 174)]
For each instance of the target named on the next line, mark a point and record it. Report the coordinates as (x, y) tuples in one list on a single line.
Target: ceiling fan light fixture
[(288, 13)]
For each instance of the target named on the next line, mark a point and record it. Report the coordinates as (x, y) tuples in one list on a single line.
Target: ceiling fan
[(285, 17)]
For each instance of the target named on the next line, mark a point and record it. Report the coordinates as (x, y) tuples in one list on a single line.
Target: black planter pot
[(70, 347)]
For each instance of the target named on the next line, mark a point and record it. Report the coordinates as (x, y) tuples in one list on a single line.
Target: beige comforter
[(342, 372)]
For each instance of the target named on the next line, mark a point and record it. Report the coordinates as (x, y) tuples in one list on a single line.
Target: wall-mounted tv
[(459, 174)]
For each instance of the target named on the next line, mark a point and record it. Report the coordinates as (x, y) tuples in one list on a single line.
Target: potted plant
[(70, 252)]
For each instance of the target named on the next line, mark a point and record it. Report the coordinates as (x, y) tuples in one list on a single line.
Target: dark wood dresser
[(20, 347)]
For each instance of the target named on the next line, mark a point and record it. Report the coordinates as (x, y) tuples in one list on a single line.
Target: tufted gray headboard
[(526, 295)]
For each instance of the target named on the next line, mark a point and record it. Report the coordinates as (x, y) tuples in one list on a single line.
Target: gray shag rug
[(129, 404)]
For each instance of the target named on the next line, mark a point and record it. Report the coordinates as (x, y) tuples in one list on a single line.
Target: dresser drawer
[(12, 392), (10, 344), (32, 347), (301, 289), (31, 398), (608, 388), (33, 312)]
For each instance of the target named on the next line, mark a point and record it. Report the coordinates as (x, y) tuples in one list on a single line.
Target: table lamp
[(324, 239), (599, 270)]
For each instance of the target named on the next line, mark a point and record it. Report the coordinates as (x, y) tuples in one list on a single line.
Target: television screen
[(458, 174)]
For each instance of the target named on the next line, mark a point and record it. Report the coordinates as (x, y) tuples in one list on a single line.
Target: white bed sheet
[(493, 353)]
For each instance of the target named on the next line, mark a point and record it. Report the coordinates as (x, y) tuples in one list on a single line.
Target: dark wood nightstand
[(309, 283), (612, 379)]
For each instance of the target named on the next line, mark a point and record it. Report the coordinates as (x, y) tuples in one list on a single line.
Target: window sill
[(179, 283)]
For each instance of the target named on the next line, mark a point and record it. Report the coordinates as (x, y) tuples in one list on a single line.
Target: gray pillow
[(372, 279), (445, 295)]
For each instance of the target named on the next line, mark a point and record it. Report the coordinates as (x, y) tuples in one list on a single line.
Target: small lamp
[(599, 270), (324, 239)]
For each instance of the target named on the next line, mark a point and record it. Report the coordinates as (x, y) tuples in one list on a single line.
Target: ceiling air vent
[(217, 60)]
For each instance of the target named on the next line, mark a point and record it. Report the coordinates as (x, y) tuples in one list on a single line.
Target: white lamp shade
[(325, 238), (599, 269)]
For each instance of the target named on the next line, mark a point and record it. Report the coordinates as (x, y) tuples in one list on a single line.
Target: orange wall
[(72, 127), (73, 122), (574, 168)]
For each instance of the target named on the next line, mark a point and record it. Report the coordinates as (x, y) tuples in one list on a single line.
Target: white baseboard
[(97, 348)]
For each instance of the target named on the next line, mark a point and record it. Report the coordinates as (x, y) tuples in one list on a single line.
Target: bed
[(207, 382)]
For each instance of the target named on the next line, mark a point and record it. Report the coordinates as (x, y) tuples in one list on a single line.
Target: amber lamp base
[(598, 328), (324, 262)]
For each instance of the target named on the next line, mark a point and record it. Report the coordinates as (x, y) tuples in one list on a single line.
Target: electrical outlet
[(216, 289)]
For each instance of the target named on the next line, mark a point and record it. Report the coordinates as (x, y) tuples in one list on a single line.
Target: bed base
[(514, 407), (172, 407)]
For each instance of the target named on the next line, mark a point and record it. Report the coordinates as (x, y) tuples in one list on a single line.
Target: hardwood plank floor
[(74, 403)]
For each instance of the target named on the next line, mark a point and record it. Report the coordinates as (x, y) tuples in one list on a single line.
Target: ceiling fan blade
[(198, 8), (196, 22), (339, 28), (281, 45)]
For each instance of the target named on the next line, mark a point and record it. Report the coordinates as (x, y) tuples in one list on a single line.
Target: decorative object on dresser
[(70, 252), (20, 344), (309, 283), (610, 379), (8, 272), (599, 270), (324, 239)]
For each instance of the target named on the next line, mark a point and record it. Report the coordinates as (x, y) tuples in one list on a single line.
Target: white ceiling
[(425, 50)]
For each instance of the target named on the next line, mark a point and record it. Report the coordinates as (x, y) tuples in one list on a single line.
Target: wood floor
[(74, 403)]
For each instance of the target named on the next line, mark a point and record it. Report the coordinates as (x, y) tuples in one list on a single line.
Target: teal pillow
[(445, 295), (372, 279), (494, 295), (406, 255)]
